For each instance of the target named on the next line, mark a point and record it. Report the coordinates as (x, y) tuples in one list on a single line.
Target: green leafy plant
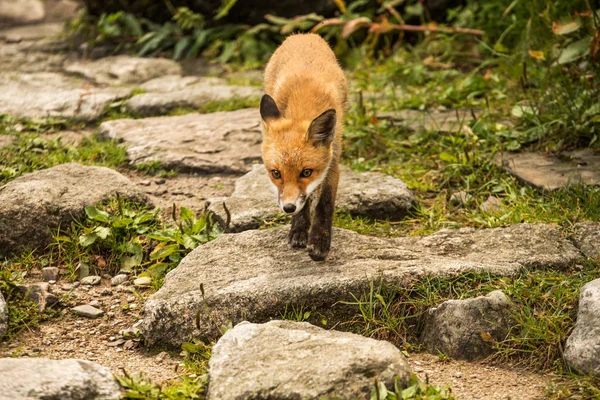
[(128, 237), (415, 389)]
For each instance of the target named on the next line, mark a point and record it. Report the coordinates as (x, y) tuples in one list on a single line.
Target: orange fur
[(305, 79)]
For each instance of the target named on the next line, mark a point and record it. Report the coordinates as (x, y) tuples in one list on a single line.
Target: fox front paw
[(298, 238), (318, 248)]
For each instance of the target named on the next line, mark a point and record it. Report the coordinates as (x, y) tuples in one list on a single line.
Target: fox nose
[(289, 208)]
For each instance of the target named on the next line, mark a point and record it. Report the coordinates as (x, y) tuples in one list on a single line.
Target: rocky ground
[(252, 274)]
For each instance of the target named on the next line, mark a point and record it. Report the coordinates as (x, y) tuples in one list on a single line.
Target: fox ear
[(268, 108), (322, 128)]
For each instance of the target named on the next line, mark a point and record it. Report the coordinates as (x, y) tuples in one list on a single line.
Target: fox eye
[(276, 174), (306, 172)]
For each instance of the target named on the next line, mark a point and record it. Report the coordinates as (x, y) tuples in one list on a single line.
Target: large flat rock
[(32, 32), (253, 275), (367, 194), (221, 142), (283, 360), (120, 70), (21, 11), (194, 94), (44, 379), (551, 173), (34, 205), (42, 95)]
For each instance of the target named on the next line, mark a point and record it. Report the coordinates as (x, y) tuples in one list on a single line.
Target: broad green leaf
[(163, 236), (122, 222), (96, 214), (161, 251), (87, 239), (156, 271), (575, 50), (520, 110), (102, 232), (449, 158), (409, 392), (128, 262), (189, 242), (134, 247), (185, 214)]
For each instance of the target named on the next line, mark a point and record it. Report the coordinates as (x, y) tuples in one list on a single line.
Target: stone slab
[(123, 69), (32, 32), (283, 360), (21, 11), (190, 96), (254, 275), (220, 142), (44, 379), (367, 194), (42, 95), (551, 173), (35, 204)]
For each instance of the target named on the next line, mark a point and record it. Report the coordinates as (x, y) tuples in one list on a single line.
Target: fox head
[(297, 154)]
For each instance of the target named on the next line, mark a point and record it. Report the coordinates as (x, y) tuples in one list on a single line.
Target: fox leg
[(300, 224), (319, 238)]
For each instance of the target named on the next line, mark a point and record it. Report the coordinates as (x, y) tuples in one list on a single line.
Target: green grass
[(23, 315), (31, 152)]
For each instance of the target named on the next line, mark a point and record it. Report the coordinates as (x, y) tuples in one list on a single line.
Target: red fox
[(302, 113)]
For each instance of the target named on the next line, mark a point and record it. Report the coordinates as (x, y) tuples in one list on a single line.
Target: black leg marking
[(298, 236), (319, 238)]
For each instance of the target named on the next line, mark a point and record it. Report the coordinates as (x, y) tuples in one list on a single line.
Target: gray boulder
[(220, 142), (43, 379), (367, 194), (34, 205), (283, 360), (255, 275), (121, 70), (466, 329), (3, 316), (587, 238), (21, 11), (47, 94), (190, 96), (582, 349)]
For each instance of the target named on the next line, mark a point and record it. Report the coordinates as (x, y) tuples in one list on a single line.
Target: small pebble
[(130, 299), (160, 181), (143, 281), (91, 280), (145, 183), (119, 279), (87, 311)]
